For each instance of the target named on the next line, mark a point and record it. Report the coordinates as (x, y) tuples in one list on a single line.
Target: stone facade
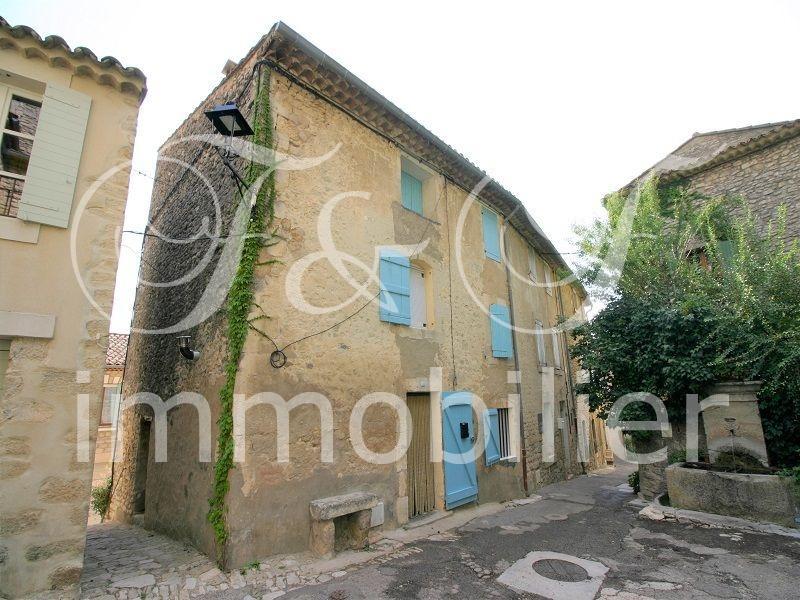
[(766, 178), (268, 502), (57, 336)]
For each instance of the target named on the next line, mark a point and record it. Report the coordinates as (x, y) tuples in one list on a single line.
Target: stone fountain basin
[(753, 496)]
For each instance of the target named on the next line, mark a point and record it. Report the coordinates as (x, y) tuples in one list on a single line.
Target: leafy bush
[(704, 294), (633, 481), (101, 498)]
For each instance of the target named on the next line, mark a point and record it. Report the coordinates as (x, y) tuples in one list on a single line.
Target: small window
[(504, 433), (548, 279), (20, 119), (557, 348), (491, 234), (532, 268), (540, 349), (411, 192), (110, 401)]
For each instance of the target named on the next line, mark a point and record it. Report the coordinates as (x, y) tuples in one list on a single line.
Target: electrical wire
[(368, 302)]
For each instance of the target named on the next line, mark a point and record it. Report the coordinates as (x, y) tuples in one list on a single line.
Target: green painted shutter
[(726, 253), (500, 323), (395, 296), (491, 431), (491, 234), (55, 157), (411, 190)]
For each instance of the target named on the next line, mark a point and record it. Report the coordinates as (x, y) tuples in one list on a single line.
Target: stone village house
[(67, 118), (760, 164), (416, 189)]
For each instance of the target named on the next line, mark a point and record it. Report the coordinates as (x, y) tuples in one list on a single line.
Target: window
[(404, 291), (411, 192), (419, 304), (556, 348), (505, 432), (540, 349), (500, 325), (548, 279), (110, 401), (497, 434), (20, 119), (491, 234), (532, 270)]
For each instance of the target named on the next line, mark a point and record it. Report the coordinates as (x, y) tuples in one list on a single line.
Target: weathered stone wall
[(268, 503), (767, 179), (44, 489)]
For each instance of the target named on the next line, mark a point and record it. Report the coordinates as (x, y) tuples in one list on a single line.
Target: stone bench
[(354, 512)]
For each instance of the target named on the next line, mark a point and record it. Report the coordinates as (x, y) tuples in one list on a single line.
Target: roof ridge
[(746, 128)]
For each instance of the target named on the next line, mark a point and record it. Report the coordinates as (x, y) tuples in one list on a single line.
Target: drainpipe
[(523, 454)]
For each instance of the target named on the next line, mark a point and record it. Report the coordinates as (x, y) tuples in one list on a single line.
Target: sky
[(561, 102)]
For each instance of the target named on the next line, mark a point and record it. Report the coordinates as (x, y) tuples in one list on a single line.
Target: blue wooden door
[(458, 437)]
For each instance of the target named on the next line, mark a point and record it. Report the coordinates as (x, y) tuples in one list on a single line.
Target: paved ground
[(588, 517)]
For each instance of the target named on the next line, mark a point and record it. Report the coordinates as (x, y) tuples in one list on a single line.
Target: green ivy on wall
[(239, 303)]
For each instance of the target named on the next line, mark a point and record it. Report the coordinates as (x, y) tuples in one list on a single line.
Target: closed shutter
[(491, 234), (395, 296), (411, 190), (491, 431), (501, 331), (55, 157)]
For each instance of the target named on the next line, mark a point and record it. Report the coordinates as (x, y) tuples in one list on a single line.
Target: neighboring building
[(760, 163), (112, 388), (68, 117), (418, 186)]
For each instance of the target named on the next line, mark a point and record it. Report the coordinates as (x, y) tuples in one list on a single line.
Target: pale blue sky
[(561, 102)]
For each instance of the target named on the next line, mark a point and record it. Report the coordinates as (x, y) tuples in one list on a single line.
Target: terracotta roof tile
[(117, 349)]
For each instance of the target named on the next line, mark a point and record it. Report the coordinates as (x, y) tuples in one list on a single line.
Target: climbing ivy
[(239, 303)]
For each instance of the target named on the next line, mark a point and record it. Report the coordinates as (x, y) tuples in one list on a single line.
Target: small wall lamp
[(185, 349), (229, 121)]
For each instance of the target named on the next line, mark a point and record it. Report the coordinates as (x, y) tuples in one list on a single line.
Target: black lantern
[(229, 121)]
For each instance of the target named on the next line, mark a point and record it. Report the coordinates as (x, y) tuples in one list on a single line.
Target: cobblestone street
[(472, 554)]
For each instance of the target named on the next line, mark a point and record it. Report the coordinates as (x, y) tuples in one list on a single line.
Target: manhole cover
[(560, 570)]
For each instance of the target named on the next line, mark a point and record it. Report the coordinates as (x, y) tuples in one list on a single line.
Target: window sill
[(421, 216), (556, 370), (17, 230)]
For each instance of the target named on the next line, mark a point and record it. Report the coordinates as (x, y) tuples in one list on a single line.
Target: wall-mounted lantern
[(230, 122), (185, 348)]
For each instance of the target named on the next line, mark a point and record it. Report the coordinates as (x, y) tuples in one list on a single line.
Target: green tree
[(704, 294)]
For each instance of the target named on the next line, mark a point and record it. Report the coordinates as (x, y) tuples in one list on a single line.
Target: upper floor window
[(548, 279), (411, 192), (491, 234), (532, 267), (556, 348), (540, 348), (20, 117), (404, 291), (500, 327)]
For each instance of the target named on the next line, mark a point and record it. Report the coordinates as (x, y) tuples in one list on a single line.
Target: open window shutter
[(395, 296), (55, 157), (491, 234), (501, 331), (491, 429), (411, 189)]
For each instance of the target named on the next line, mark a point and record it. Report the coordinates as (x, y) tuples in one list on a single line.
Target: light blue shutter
[(411, 189), (395, 296), (501, 331), (55, 157), (491, 234), (491, 429)]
